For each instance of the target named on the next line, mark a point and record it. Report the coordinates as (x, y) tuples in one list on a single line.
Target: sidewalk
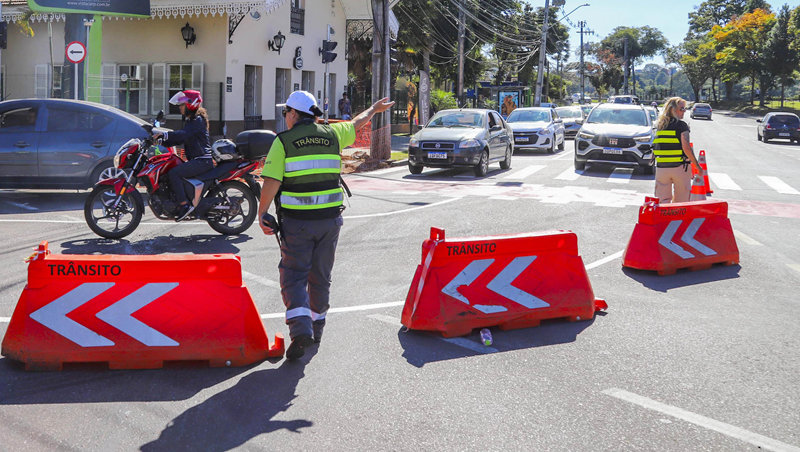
[(399, 144)]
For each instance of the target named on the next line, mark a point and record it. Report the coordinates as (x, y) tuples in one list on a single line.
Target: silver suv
[(616, 134)]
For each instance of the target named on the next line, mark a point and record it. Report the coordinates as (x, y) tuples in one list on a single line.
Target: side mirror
[(160, 116), (495, 128), (559, 120), (758, 120)]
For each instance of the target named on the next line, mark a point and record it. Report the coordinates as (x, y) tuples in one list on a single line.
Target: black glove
[(270, 221)]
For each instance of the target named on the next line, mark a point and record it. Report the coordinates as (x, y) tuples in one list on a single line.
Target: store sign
[(298, 58), (139, 8)]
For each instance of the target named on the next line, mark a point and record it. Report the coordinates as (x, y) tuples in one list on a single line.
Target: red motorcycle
[(226, 196)]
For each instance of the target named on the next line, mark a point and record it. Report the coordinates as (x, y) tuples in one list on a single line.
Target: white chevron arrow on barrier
[(501, 284), (54, 315), (687, 238)]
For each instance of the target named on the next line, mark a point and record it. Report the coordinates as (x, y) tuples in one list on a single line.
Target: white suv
[(616, 134)]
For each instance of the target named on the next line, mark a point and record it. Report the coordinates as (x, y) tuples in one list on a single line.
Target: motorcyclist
[(654, 104), (196, 143)]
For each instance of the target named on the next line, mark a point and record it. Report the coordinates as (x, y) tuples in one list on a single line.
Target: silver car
[(537, 128), (572, 118), (616, 134)]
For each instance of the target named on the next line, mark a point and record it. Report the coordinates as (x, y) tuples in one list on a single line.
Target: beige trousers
[(678, 177)]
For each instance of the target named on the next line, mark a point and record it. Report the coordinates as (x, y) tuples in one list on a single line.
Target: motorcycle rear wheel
[(130, 209), (244, 214)]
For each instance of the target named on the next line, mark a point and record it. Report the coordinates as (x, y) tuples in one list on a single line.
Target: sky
[(602, 16)]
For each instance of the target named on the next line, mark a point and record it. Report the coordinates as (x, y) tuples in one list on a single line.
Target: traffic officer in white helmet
[(302, 174)]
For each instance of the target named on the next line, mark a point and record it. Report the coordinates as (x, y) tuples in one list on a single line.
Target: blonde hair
[(668, 113)]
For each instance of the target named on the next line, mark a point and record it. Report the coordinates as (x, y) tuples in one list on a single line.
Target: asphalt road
[(696, 361)]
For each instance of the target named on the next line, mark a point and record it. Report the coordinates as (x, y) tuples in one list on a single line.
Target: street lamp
[(276, 44), (188, 35), (579, 7)]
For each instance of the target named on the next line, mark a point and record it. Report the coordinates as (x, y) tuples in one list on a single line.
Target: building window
[(183, 76), (298, 18), (2, 83), (132, 93), (57, 70), (46, 78)]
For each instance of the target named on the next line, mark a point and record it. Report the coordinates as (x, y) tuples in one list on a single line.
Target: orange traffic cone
[(704, 168), (698, 189)]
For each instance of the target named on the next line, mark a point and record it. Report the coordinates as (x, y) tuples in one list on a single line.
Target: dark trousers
[(187, 170), (307, 256)]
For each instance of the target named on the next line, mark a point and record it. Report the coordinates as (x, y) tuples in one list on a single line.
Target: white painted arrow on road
[(500, 285), (54, 315), (687, 238), (118, 315)]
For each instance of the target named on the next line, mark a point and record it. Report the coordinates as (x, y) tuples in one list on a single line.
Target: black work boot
[(318, 326), (298, 347)]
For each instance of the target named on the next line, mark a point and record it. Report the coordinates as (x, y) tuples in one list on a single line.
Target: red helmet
[(191, 98)]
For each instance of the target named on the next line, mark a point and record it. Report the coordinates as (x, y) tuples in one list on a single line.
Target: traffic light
[(327, 51), (392, 50), (3, 35)]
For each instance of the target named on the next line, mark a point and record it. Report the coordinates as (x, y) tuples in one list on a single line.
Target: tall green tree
[(781, 59), (642, 42), (714, 12)]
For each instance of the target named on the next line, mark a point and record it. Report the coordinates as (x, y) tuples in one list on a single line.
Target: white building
[(230, 61)]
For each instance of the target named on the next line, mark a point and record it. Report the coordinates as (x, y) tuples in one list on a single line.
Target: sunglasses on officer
[(286, 111), (681, 108)]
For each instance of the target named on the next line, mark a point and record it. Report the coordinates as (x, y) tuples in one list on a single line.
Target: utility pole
[(627, 68), (537, 101), (461, 33), (380, 145), (582, 24)]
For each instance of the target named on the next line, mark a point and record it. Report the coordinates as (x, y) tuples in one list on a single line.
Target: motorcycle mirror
[(160, 116), (148, 128)]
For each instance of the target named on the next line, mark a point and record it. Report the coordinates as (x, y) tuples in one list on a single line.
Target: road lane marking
[(570, 174), (779, 185), (621, 176), (525, 172), (723, 181), (504, 198), (262, 280), (702, 421), (24, 206), (353, 217), (604, 260), (746, 238), (367, 307), (5, 319), (795, 267), (388, 170), (460, 341), (562, 155)]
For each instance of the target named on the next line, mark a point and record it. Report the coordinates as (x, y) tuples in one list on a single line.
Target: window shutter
[(108, 85), (42, 79), (143, 90), (159, 89), (197, 76)]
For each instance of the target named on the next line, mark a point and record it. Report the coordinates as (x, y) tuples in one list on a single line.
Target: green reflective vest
[(668, 150), (311, 188)]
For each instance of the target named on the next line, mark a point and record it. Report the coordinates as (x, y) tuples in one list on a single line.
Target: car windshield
[(569, 112), (706, 106), (788, 120), (529, 116), (457, 119), (612, 116), (623, 100)]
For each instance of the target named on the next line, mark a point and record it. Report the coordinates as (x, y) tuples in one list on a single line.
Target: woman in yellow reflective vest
[(673, 153)]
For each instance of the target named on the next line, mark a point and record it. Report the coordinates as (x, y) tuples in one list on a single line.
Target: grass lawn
[(399, 155), (743, 106)]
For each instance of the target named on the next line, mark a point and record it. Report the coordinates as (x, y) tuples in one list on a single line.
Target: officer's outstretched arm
[(378, 107)]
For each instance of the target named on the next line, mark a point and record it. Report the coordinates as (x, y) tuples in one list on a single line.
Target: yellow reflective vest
[(668, 150)]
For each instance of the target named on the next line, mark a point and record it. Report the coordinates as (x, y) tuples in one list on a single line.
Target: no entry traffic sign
[(76, 52)]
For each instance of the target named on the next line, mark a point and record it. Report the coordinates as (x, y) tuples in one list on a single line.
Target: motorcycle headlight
[(585, 135), (643, 138), (473, 143), (116, 161), (413, 142)]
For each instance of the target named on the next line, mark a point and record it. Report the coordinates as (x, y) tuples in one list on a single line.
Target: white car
[(537, 128)]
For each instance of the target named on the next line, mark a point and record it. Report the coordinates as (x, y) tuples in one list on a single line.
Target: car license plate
[(612, 151), (784, 134), (437, 155), (521, 139)]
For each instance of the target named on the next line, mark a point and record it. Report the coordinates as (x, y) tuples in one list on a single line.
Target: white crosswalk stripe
[(570, 174), (525, 172), (723, 181), (621, 176), (779, 185)]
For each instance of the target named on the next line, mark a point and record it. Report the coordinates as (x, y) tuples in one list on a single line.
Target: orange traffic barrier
[(693, 235), (136, 312), (513, 281), (701, 159), (698, 189)]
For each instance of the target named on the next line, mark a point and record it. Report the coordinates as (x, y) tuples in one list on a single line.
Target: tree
[(744, 40), (695, 64), (714, 12), (643, 42), (753, 5), (781, 59)]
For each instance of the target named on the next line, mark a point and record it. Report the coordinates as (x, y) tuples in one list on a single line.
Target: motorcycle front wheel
[(111, 219), (238, 210)]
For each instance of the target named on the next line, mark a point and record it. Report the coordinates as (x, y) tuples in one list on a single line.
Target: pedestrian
[(302, 175), (673, 153), (344, 107), (196, 144)]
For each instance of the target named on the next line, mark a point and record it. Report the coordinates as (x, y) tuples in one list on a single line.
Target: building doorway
[(252, 97), (283, 87)]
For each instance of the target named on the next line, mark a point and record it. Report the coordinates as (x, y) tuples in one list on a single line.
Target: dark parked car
[(462, 138), (784, 126), (616, 134), (701, 111), (55, 143)]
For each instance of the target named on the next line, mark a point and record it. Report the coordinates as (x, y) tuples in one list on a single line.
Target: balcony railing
[(298, 24)]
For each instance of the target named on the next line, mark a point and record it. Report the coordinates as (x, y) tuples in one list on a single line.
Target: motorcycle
[(226, 197)]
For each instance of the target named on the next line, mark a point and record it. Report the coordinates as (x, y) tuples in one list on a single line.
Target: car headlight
[(543, 132), (643, 138), (585, 135), (413, 142), (473, 143)]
